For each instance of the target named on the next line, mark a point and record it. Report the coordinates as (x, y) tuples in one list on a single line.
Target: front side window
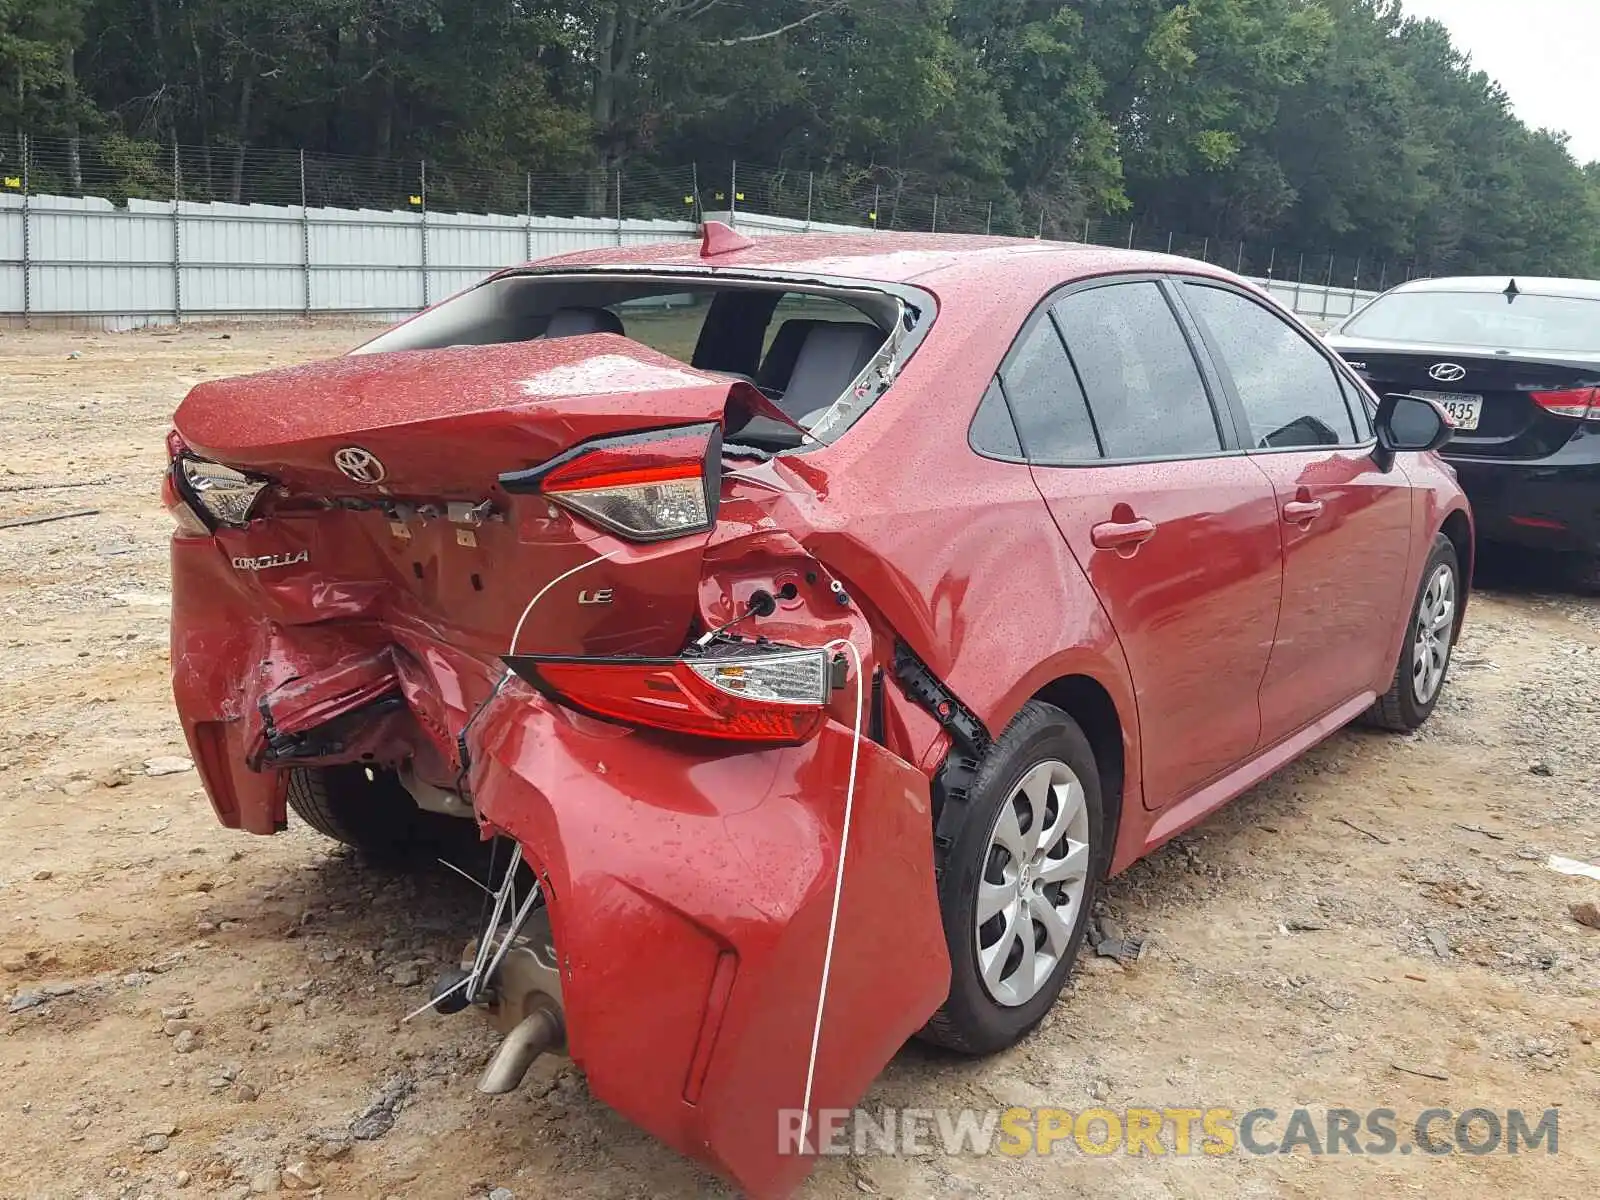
[(1143, 385), (1290, 393)]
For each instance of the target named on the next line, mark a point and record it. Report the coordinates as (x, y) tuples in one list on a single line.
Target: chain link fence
[(191, 188), (120, 168)]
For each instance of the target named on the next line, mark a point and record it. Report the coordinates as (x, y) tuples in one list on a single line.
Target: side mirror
[(1409, 423)]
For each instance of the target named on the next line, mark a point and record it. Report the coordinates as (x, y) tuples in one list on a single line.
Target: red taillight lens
[(1582, 403), (776, 698), (645, 487)]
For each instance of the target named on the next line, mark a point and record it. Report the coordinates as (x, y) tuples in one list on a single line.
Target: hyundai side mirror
[(1409, 423)]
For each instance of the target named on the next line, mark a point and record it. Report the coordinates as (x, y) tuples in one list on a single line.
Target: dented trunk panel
[(443, 423)]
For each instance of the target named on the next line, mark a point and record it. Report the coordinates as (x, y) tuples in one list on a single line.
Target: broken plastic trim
[(321, 741), (923, 686)]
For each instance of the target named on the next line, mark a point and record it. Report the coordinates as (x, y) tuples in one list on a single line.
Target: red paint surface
[(689, 883)]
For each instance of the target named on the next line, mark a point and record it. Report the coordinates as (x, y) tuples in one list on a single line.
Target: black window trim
[(1210, 379), (1341, 372)]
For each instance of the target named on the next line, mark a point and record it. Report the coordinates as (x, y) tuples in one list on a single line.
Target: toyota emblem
[(1448, 373), (360, 465)]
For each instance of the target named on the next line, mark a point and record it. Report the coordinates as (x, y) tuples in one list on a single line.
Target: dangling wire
[(516, 634), (503, 895), (838, 891)]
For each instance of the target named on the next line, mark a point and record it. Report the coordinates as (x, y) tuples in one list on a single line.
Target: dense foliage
[(1338, 124)]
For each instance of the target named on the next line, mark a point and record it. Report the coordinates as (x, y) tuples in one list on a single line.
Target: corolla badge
[(266, 562), (363, 466), (1448, 373)]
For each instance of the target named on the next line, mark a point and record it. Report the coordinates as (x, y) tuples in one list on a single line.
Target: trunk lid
[(389, 505), (1509, 422), (442, 423)]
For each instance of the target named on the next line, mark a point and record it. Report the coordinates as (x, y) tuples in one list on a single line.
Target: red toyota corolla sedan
[(813, 622)]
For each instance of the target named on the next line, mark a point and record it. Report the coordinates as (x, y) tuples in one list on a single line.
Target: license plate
[(1464, 410)]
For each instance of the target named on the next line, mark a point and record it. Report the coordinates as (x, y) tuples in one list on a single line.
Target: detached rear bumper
[(690, 897), (1547, 504)]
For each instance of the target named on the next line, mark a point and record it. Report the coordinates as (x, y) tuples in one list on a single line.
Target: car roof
[(1587, 289), (892, 257)]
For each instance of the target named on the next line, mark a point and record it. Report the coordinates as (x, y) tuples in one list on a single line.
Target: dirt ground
[(192, 1011)]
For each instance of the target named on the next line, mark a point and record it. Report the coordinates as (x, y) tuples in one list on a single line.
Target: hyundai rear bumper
[(1546, 504)]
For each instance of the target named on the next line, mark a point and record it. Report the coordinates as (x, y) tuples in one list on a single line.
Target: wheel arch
[(1458, 528), (1087, 701)]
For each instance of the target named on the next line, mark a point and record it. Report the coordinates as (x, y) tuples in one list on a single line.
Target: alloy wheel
[(1436, 617)]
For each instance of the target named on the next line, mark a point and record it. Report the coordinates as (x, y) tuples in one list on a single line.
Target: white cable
[(844, 832), (539, 595), (483, 966), (838, 891)]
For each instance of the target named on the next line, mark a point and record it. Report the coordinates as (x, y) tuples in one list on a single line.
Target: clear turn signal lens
[(228, 496), (797, 678)]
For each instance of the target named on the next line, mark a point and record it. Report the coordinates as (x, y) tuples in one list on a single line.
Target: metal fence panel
[(142, 261), (11, 269)]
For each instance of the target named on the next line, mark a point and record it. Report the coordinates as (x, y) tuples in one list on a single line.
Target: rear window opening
[(821, 353)]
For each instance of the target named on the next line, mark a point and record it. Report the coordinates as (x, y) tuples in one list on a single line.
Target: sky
[(1543, 52)]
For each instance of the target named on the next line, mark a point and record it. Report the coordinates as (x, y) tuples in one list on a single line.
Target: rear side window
[(993, 432), (1052, 418), (1142, 382), (1290, 393), (798, 306)]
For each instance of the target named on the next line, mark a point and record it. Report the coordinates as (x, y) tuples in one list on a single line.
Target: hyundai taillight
[(202, 495), (1582, 403), (645, 487), (775, 697)]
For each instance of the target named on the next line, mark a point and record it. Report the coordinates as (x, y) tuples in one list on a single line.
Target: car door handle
[(1121, 535), (1300, 512)]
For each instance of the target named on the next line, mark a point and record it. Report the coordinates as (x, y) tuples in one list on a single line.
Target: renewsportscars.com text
[(1181, 1132)]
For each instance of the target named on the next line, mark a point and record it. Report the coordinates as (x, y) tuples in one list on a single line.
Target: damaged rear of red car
[(815, 622), (539, 581)]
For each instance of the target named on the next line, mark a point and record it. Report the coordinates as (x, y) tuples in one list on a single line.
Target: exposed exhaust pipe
[(533, 1035)]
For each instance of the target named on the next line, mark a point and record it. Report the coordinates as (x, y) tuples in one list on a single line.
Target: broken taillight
[(202, 495), (776, 697), (645, 487)]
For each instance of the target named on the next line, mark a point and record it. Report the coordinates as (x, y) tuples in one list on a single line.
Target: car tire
[(372, 812), (1419, 676), (1041, 765)]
